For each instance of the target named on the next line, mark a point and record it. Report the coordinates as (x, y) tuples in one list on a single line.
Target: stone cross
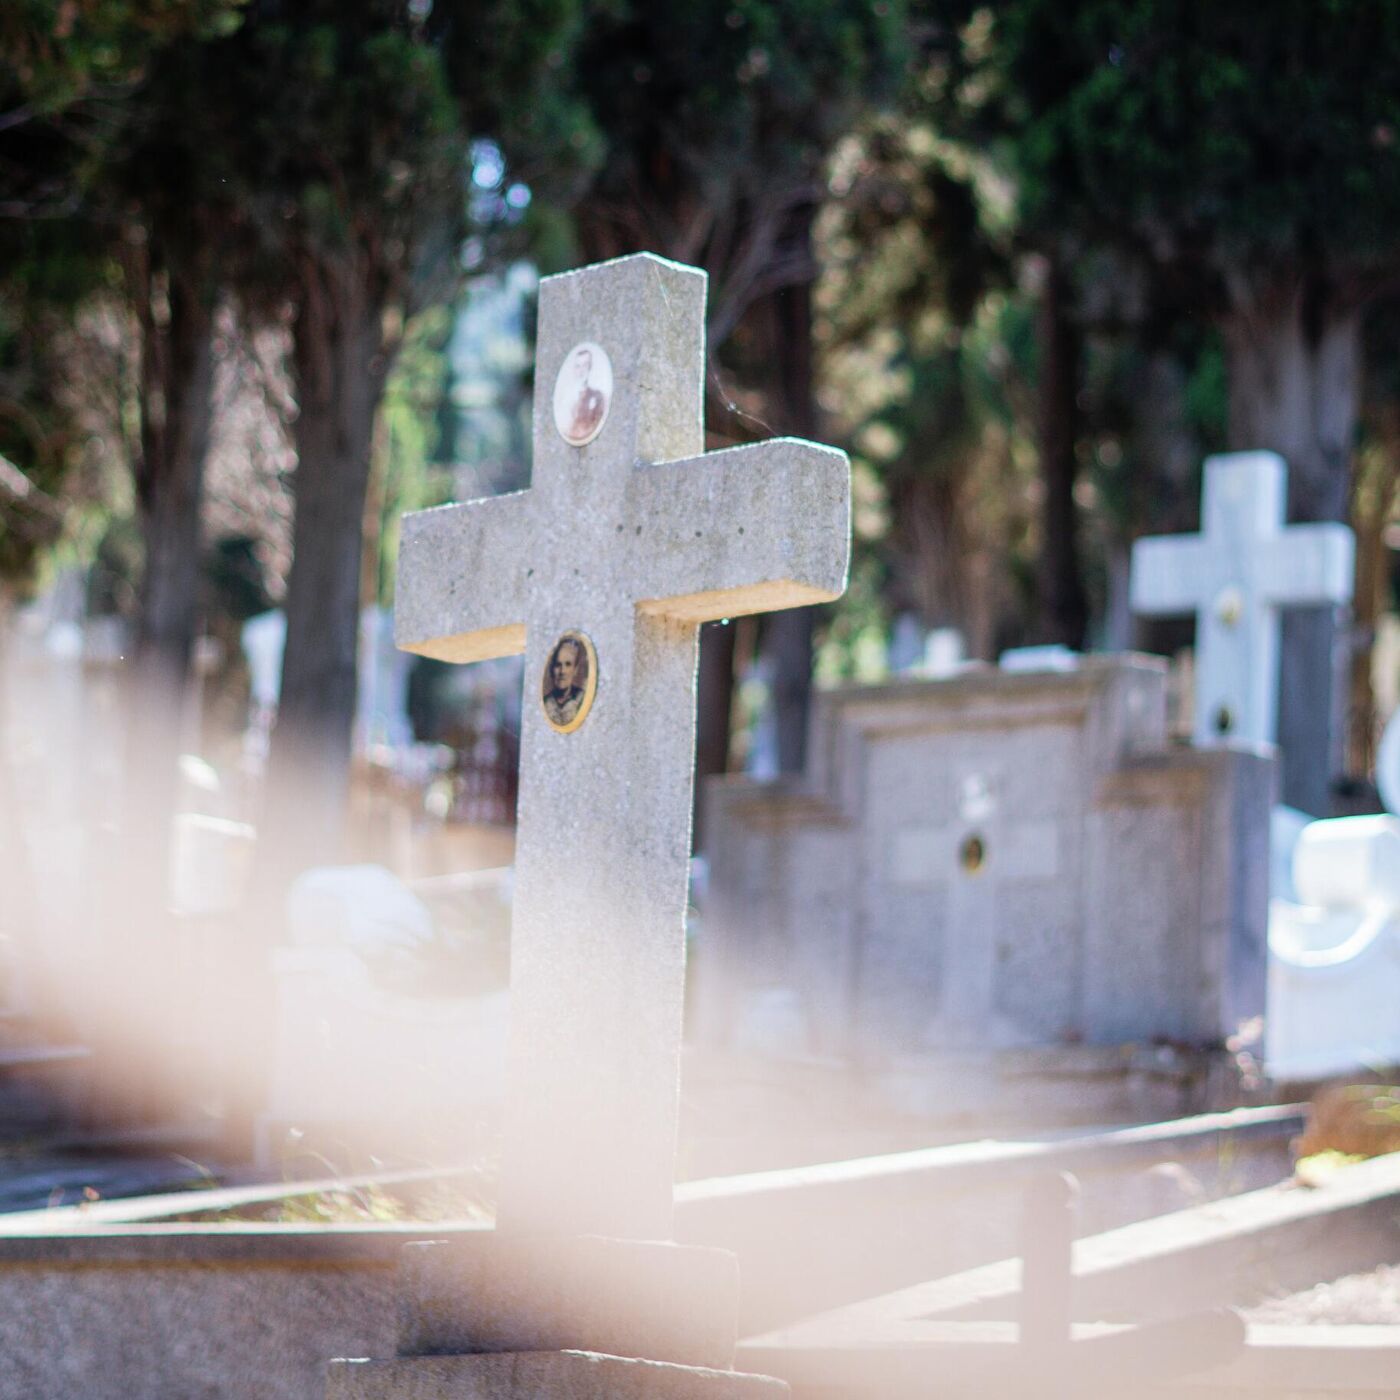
[(1235, 576), (971, 858), (628, 538)]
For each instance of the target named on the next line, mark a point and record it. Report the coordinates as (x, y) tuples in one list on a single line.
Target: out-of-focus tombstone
[(1334, 940), (945, 654), (264, 639), (906, 647), (381, 702), (54, 738), (378, 1044), (761, 762), (1236, 576), (983, 871), (1052, 657), (211, 861)]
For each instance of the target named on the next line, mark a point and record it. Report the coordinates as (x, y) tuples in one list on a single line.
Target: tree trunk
[(788, 635), (1376, 479), (1164, 499), (20, 963), (1294, 355), (177, 403), (133, 873), (1064, 608), (340, 358), (177, 382)]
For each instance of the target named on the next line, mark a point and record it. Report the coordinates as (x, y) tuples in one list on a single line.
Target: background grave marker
[(1236, 575)]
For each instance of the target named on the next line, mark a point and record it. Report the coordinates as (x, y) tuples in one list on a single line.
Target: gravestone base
[(541, 1375), (506, 1292), (573, 1317), (1069, 1085)]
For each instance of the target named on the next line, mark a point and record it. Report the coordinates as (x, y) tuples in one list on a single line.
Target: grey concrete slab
[(560, 1375), (510, 1293), (987, 864)]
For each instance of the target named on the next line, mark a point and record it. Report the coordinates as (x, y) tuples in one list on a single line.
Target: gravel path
[(1370, 1298)]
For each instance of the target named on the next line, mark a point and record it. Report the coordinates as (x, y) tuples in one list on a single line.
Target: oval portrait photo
[(583, 393), (569, 682)]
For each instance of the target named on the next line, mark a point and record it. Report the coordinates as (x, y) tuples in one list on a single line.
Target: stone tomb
[(990, 862), (628, 538)]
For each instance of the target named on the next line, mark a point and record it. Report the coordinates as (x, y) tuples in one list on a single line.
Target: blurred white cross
[(1236, 575)]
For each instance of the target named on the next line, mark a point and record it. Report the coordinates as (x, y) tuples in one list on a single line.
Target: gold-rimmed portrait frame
[(569, 681)]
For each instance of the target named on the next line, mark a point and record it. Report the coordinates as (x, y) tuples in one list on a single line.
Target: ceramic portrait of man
[(583, 393)]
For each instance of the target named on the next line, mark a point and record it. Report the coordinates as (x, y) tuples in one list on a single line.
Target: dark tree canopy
[(1210, 135), (714, 122)]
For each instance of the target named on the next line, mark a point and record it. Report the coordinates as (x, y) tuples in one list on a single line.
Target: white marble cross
[(1235, 576), (970, 858), (629, 537)]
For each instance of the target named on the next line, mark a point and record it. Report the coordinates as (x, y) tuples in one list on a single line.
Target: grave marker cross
[(1235, 576), (631, 535)]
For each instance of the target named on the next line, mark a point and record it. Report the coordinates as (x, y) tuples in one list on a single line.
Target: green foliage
[(46, 269), (65, 68), (53, 53), (715, 121), (358, 139), (341, 129), (408, 465), (1200, 133), (68, 69), (928, 353), (732, 92)]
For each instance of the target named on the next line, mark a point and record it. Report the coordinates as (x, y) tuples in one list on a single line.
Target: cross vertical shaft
[(595, 1086)]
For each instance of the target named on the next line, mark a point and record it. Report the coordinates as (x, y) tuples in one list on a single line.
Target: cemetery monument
[(984, 888), (628, 538), (1236, 575)]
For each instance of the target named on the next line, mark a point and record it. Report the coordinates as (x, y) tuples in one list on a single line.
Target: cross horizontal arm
[(1170, 575), (1308, 565), (745, 530), (462, 580)]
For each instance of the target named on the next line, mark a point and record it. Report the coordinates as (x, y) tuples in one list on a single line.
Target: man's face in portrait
[(583, 366), (564, 668)]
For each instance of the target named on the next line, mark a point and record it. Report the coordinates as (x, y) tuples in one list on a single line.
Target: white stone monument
[(629, 537), (1236, 575), (1334, 941)]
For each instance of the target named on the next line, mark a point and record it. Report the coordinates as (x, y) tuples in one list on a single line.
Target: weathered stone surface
[(990, 862), (515, 1293), (558, 1375), (632, 538), (187, 1327)]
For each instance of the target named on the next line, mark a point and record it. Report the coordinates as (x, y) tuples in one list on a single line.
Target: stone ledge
[(557, 1375), (549, 1293)]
